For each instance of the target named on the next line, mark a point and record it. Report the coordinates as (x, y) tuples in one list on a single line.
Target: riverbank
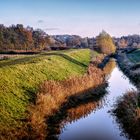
[(20, 80), (92, 119), (129, 64), (128, 113), (54, 95), (128, 106)]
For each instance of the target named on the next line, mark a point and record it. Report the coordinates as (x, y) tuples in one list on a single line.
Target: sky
[(86, 18)]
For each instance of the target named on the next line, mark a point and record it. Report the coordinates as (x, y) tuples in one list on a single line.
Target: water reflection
[(109, 67), (92, 120), (82, 111), (73, 111)]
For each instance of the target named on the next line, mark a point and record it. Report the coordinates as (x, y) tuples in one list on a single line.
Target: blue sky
[(81, 17)]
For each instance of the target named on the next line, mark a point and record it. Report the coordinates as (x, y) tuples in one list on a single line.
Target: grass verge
[(22, 75)]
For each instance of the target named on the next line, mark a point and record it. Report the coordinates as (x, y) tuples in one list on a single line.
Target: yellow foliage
[(105, 43)]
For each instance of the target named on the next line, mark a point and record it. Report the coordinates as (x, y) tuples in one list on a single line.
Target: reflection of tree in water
[(109, 67), (73, 111)]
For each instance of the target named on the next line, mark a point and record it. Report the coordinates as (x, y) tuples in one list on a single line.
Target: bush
[(105, 43)]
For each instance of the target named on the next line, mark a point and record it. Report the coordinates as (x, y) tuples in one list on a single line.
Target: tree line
[(18, 38)]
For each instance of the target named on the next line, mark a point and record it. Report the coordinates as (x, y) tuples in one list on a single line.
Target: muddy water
[(94, 121)]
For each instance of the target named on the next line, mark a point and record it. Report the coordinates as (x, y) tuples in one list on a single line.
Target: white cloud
[(51, 29), (40, 21)]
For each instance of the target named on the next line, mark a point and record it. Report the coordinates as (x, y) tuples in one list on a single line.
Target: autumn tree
[(105, 43), (19, 38)]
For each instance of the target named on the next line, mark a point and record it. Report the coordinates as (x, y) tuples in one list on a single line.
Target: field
[(22, 75), (134, 56)]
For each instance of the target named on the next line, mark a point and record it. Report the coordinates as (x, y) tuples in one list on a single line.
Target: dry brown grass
[(53, 94), (128, 113), (127, 67)]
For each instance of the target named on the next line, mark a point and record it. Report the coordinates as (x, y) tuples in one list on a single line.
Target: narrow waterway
[(99, 124)]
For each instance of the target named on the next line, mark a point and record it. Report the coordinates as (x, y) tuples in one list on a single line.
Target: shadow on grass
[(77, 106), (69, 59), (17, 61), (30, 60)]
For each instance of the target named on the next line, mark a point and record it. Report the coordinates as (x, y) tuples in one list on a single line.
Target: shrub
[(105, 43)]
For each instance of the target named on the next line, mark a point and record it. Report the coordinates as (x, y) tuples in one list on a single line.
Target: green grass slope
[(20, 78), (134, 56)]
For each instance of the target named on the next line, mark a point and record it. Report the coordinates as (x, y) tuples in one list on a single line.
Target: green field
[(134, 56), (21, 76)]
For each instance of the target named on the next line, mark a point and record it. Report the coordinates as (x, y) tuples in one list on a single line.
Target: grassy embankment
[(130, 64), (128, 106), (53, 96), (21, 77)]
